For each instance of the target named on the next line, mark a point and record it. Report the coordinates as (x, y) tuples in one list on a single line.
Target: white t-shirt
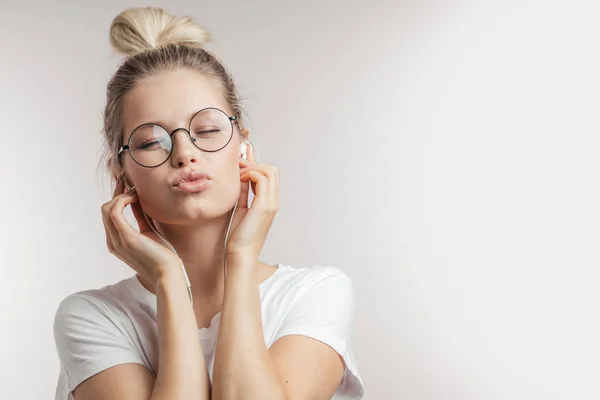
[(97, 329)]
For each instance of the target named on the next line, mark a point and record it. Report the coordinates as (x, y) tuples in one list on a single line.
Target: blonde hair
[(154, 41)]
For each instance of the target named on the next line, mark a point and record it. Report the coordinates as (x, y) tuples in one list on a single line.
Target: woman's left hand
[(250, 225)]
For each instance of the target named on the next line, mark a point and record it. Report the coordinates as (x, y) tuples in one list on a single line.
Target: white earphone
[(244, 149), (243, 155)]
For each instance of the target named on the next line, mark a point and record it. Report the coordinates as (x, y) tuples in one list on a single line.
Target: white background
[(444, 154)]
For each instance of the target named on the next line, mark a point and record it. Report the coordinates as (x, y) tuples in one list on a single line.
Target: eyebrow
[(162, 124)]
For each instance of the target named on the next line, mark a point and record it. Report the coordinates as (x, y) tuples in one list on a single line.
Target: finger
[(250, 152), (108, 224), (119, 187), (138, 213), (244, 163), (262, 186), (272, 174), (261, 168), (111, 246), (124, 229), (250, 184), (245, 186), (113, 236), (244, 192)]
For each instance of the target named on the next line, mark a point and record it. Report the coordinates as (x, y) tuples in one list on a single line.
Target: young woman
[(202, 317)]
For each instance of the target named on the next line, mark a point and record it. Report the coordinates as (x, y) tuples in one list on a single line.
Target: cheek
[(230, 167), (228, 189), (229, 177)]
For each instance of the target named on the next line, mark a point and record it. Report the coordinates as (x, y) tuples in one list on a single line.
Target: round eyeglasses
[(150, 145)]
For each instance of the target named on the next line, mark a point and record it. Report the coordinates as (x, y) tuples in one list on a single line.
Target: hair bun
[(136, 30)]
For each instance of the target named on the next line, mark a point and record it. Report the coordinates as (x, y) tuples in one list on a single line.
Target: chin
[(194, 207), (203, 209)]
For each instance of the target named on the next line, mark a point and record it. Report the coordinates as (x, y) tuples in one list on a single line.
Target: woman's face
[(170, 99)]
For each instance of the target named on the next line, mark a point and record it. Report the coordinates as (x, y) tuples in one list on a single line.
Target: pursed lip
[(190, 176)]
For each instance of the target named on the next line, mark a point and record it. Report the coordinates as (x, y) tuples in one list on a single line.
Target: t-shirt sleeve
[(325, 311), (89, 339)]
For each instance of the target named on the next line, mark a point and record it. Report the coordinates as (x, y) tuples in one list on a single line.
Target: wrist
[(240, 260), (170, 277)]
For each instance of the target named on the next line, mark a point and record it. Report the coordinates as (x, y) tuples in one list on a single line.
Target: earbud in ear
[(128, 185), (244, 149)]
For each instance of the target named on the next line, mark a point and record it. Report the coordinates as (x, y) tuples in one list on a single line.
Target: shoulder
[(93, 331), (319, 291), (321, 275), (318, 302), (92, 307), (325, 282)]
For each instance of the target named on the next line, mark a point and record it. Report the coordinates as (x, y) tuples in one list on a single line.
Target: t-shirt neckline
[(150, 298)]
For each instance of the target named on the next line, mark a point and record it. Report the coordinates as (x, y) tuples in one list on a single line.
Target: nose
[(184, 151)]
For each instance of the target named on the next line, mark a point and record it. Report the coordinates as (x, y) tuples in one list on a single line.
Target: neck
[(201, 248)]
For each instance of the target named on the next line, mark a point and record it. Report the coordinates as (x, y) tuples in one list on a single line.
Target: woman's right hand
[(143, 251)]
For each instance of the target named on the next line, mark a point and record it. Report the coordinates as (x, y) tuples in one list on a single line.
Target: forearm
[(243, 368), (182, 372)]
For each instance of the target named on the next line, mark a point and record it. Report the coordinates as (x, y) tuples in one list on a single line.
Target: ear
[(123, 175), (128, 184), (245, 133)]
